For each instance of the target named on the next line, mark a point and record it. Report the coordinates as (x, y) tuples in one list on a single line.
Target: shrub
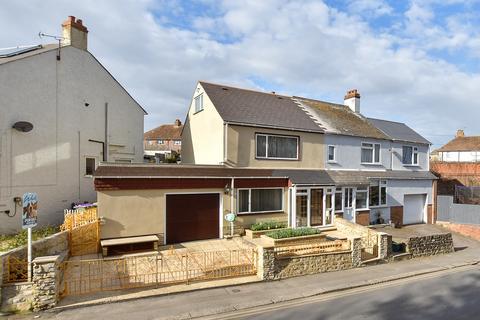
[(267, 225), (290, 233), (8, 242)]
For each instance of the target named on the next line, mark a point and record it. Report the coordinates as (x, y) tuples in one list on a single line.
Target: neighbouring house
[(460, 149), (265, 156), (62, 114), (458, 164), (163, 142)]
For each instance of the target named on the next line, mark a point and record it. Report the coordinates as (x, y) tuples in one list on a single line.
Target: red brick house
[(160, 143)]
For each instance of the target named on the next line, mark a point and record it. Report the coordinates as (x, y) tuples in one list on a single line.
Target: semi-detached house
[(265, 156)]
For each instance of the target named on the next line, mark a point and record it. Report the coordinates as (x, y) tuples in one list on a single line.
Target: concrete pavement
[(230, 298)]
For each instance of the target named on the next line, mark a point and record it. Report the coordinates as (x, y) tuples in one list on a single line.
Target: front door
[(349, 205)]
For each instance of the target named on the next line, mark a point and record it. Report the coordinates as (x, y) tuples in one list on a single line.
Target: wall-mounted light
[(23, 126), (227, 189)]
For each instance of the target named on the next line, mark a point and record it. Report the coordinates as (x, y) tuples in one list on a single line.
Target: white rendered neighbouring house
[(339, 162), (81, 116)]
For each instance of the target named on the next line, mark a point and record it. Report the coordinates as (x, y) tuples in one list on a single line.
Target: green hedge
[(289, 233), (267, 225)]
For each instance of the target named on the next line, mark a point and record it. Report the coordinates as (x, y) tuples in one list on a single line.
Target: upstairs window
[(331, 153), (199, 103), (410, 155), (370, 153), (276, 147)]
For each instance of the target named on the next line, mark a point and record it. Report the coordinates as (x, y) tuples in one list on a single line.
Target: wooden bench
[(153, 239)]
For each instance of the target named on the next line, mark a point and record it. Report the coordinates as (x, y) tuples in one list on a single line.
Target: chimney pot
[(74, 33), (352, 100), (460, 133)]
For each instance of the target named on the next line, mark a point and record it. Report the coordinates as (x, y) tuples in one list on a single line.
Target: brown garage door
[(192, 217)]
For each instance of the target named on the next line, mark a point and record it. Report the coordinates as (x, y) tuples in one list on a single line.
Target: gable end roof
[(471, 143)]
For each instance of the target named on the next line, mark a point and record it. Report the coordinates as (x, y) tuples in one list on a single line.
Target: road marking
[(240, 314)]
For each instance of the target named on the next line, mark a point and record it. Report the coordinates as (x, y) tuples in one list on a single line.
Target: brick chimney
[(460, 133), (352, 100), (178, 123), (74, 33)]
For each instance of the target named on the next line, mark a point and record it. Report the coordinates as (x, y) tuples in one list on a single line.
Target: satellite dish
[(23, 126)]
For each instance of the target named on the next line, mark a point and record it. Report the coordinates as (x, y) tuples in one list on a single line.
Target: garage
[(414, 208), (191, 217)]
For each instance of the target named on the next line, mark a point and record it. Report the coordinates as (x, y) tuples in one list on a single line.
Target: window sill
[(277, 159), (88, 176), (371, 163), (411, 165), (332, 162), (382, 206), (198, 111), (259, 212)]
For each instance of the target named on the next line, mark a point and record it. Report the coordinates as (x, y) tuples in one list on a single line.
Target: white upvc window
[(338, 199), (259, 200), (361, 199), (410, 155), (199, 103), (177, 142), (370, 153), (332, 153), (269, 146), (378, 193)]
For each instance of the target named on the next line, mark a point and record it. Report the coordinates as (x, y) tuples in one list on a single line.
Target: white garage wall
[(397, 189)]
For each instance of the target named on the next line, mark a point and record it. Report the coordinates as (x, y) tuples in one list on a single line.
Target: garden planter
[(320, 237), (250, 234)]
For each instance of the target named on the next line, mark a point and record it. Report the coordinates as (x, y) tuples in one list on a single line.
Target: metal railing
[(170, 267)]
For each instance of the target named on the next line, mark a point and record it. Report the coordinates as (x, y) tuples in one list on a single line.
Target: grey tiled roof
[(258, 108), (398, 131), (340, 119)]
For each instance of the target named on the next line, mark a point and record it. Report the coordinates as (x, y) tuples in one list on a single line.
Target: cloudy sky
[(413, 61)]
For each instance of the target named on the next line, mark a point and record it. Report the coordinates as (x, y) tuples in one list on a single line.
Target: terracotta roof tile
[(462, 144), (166, 131)]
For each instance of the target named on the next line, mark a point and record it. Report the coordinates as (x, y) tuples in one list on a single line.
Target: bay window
[(276, 147), (260, 200), (378, 193), (361, 198), (370, 153)]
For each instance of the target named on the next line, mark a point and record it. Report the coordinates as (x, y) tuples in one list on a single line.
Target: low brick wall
[(271, 267), (430, 245), (469, 230)]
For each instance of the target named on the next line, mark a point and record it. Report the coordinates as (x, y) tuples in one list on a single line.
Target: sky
[(413, 61)]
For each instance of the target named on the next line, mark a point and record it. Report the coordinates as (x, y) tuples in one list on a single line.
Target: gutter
[(273, 127), (184, 177)]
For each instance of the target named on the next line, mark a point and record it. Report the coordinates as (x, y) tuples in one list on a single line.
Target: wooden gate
[(88, 276), (83, 231)]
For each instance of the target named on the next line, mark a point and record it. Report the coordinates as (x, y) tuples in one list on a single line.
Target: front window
[(348, 198), (260, 200), (370, 153), (199, 103), (177, 142), (378, 193), (276, 147), (331, 153), (361, 198), (410, 155), (338, 199), (160, 142)]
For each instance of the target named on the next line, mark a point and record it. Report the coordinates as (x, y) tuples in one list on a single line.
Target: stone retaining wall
[(46, 282), (18, 297), (430, 245), (271, 267)]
